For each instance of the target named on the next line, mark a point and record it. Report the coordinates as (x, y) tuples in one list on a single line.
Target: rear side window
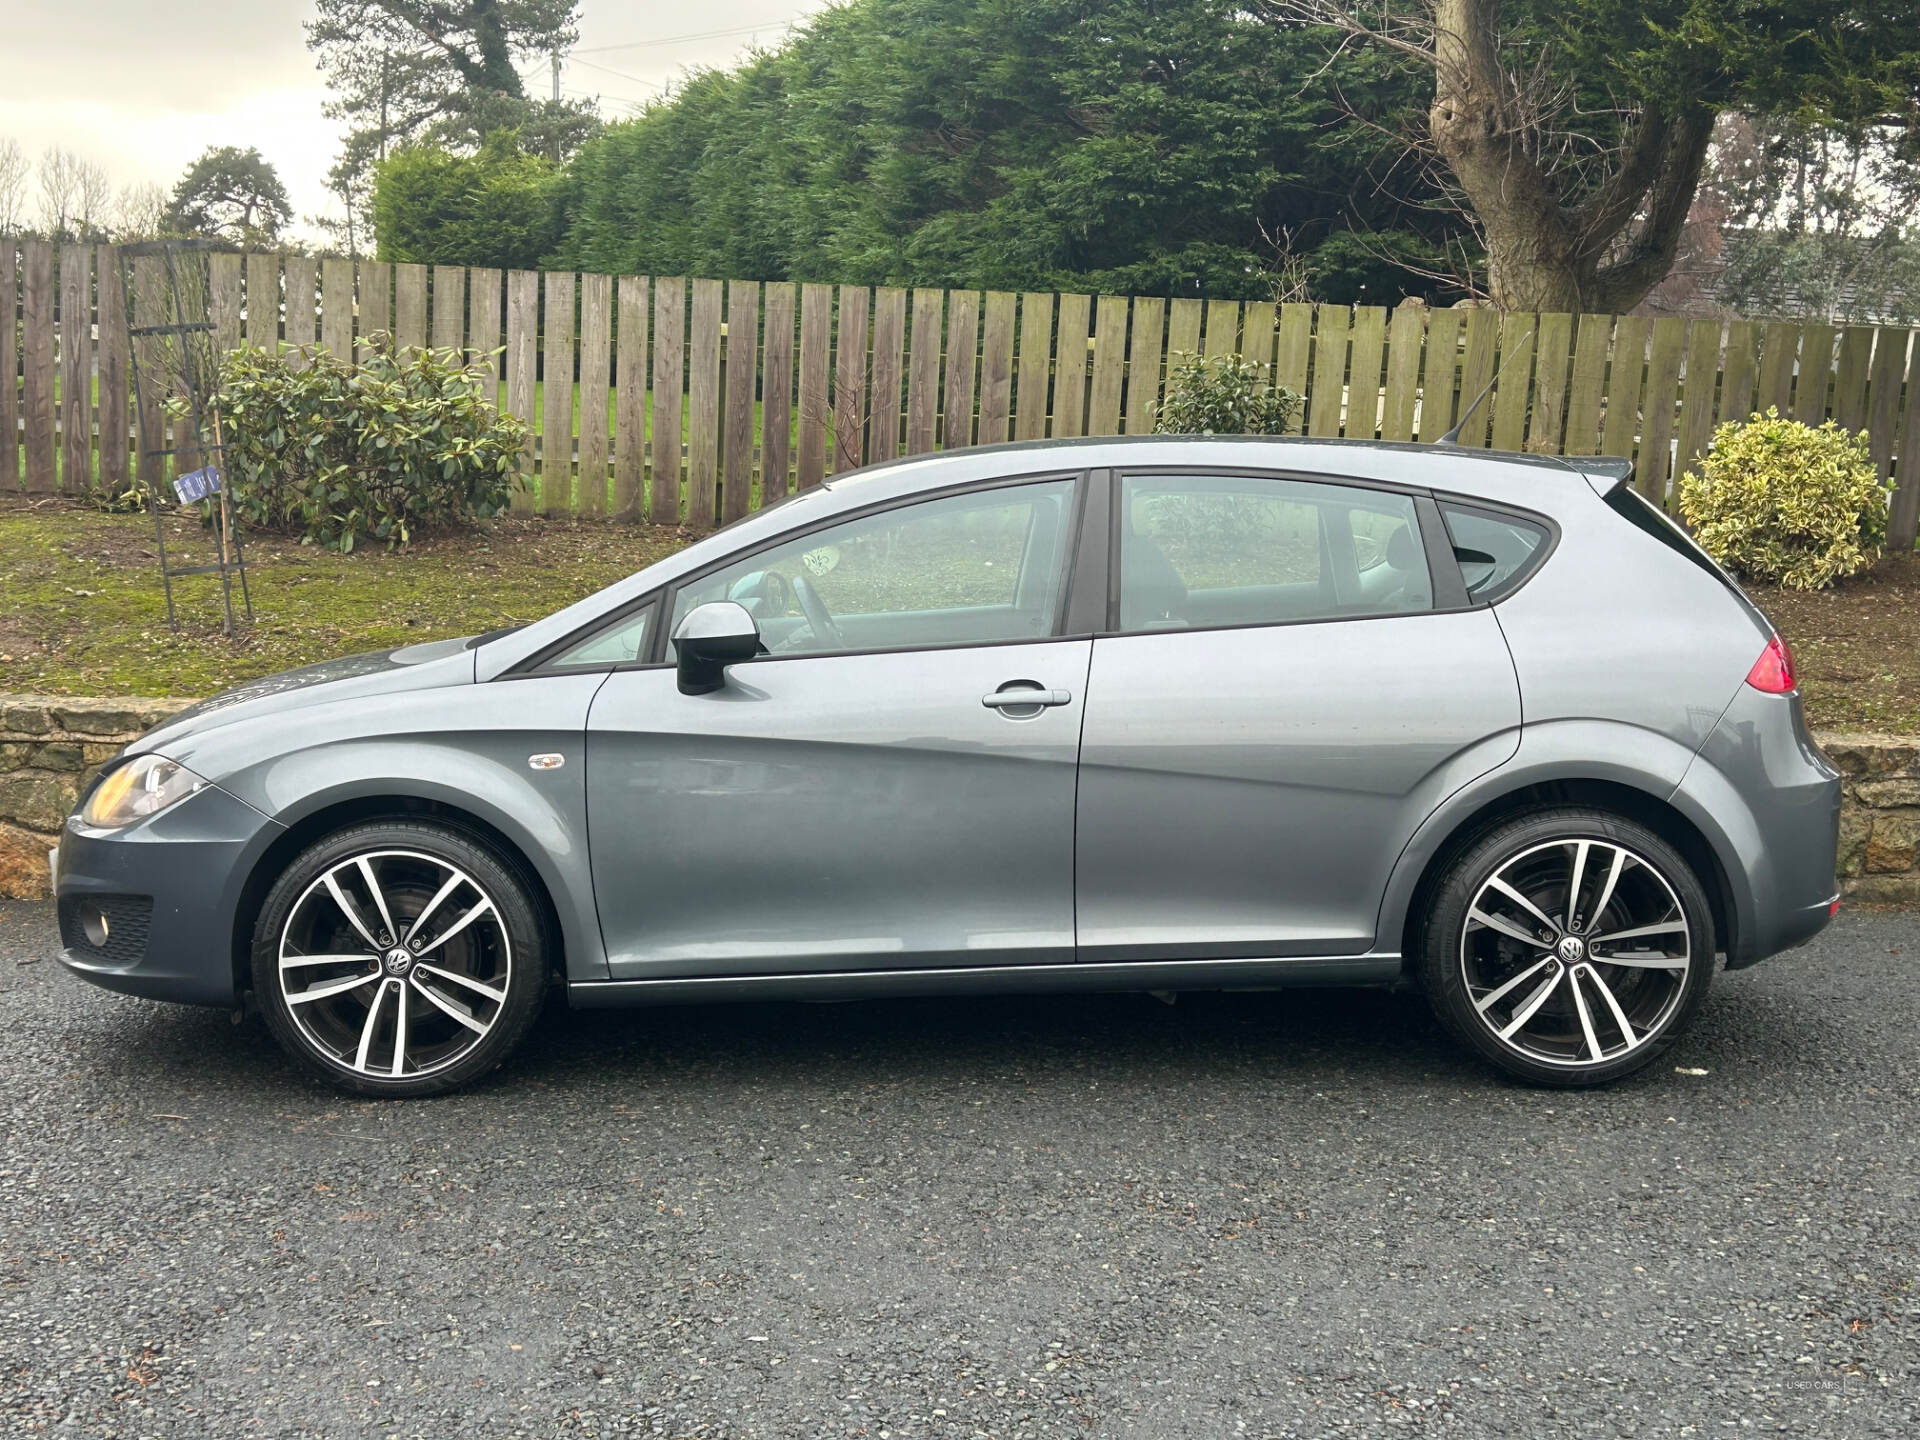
[(1495, 550), (1204, 551)]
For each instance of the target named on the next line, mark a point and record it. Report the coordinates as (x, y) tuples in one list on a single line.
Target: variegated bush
[(1783, 502)]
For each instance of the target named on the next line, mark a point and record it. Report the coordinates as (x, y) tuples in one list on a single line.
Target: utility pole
[(556, 77), (556, 107), (383, 102)]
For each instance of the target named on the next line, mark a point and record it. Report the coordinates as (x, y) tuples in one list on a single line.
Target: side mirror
[(712, 637)]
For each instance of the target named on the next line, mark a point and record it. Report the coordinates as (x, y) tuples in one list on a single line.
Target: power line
[(618, 74), (683, 39)]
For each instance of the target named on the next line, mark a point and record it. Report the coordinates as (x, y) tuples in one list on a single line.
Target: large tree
[(1152, 146), (230, 194), (1576, 131), (444, 71)]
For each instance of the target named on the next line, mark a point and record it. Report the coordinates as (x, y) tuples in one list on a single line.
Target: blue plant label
[(197, 484)]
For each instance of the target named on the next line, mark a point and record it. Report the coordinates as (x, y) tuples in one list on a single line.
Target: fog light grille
[(109, 928)]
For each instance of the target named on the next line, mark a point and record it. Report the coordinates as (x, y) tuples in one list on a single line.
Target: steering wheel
[(815, 609)]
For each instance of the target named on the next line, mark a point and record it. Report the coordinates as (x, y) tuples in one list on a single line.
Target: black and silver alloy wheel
[(398, 959), (1575, 944)]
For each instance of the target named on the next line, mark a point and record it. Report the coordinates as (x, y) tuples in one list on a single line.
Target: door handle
[(1027, 697)]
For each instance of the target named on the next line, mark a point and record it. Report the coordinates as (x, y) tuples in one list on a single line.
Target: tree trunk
[(1544, 254)]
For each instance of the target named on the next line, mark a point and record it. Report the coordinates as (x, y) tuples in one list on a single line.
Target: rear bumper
[(1771, 802), (166, 888)]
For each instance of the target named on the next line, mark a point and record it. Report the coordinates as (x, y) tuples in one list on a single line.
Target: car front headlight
[(144, 785)]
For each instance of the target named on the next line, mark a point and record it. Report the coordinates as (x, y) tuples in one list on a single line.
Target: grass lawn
[(84, 613), (83, 610)]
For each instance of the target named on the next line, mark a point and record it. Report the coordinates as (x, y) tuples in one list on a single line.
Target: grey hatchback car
[(1143, 714)]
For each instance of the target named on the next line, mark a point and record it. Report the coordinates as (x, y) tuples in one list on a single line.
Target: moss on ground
[(82, 610)]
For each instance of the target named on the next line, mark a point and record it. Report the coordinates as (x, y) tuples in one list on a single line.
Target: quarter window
[(622, 643), (1200, 550), (1494, 550), (966, 569)]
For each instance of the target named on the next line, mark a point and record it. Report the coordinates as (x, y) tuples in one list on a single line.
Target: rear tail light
[(1773, 671)]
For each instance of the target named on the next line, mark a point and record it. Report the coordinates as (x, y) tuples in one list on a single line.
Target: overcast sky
[(144, 88)]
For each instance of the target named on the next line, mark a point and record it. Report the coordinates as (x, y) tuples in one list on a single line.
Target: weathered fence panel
[(10, 474), (694, 401), (76, 368)]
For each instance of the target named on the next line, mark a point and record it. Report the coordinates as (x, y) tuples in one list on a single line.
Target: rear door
[(1279, 705), (891, 786)]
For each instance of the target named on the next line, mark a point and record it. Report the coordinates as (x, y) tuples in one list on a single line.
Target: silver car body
[(1228, 806)]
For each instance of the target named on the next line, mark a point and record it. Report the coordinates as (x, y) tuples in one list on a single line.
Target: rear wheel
[(399, 959), (1569, 947)]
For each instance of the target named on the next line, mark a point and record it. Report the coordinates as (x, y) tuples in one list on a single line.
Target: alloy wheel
[(1576, 952), (394, 964)]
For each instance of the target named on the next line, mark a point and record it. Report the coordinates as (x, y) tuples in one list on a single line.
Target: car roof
[(1504, 477)]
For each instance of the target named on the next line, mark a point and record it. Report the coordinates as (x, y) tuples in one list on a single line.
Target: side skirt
[(1257, 974)]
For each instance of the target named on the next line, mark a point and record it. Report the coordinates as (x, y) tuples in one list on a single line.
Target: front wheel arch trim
[(326, 814)]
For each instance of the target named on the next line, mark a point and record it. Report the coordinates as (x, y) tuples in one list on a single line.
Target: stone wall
[(50, 746), (1880, 823)]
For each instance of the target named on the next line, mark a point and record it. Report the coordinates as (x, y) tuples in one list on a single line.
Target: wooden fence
[(692, 402)]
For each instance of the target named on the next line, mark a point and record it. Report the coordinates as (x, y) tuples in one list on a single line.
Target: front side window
[(1202, 550), (966, 569)]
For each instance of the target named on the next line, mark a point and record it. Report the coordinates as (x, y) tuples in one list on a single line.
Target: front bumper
[(167, 887)]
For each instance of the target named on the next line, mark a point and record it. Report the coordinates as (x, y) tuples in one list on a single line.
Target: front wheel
[(1569, 947), (399, 959)]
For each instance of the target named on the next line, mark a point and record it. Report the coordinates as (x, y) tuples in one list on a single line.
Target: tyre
[(1569, 947), (400, 959)]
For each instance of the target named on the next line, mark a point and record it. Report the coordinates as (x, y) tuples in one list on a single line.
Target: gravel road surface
[(1271, 1215)]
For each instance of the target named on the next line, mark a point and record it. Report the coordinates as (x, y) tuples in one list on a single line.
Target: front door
[(1282, 709), (878, 791)]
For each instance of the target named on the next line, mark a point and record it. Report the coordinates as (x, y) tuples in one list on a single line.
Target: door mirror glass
[(711, 638)]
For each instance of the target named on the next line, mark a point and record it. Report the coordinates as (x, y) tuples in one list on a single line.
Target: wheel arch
[(1630, 772), (326, 815)]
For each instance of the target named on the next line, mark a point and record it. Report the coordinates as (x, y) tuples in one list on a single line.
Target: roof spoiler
[(1606, 473)]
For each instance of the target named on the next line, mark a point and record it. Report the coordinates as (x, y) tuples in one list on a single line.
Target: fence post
[(1070, 366), (889, 354), (630, 421), (742, 368), (669, 359), (1144, 362), (76, 368), (996, 367), (776, 395), (816, 335), (1109, 365), (703, 404), (522, 357), (596, 360), (963, 348), (10, 374), (849, 409), (36, 311), (556, 379), (114, 359), (1904, 522)]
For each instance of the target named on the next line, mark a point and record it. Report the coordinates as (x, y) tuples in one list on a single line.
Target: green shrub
[(343, 454), (1781, 501), (1224, 395), (497, 207)]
